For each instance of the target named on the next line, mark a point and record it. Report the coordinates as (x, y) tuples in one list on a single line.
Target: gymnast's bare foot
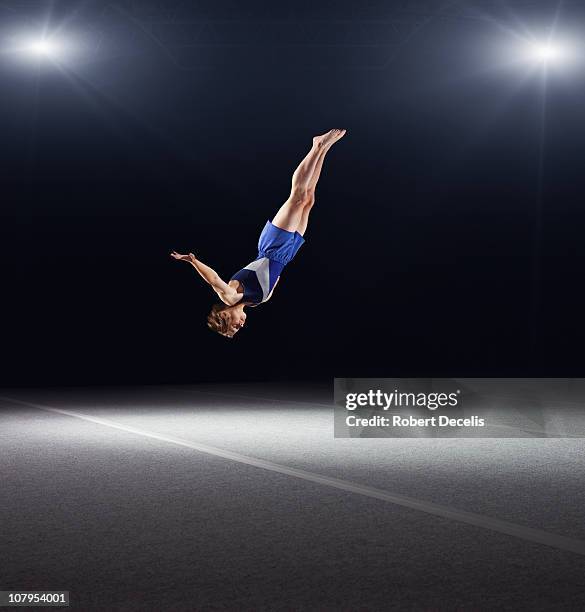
[(327, 139)]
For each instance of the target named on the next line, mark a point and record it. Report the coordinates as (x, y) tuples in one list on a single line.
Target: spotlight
[(547, 53), (540, 53), (44, 48), (48, 50)]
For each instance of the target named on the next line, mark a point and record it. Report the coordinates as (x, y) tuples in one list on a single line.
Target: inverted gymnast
[(279, 242)]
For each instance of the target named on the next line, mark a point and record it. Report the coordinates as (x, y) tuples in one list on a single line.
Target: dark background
[(447, 238)]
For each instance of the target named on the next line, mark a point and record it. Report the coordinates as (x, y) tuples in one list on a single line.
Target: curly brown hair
[(216, 322)]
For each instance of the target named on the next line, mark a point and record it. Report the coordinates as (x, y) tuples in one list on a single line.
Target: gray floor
[(151, 517)]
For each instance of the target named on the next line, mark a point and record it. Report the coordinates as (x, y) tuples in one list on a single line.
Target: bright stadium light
[(547, 53), (542, 53), (44, 48), (47, 50)]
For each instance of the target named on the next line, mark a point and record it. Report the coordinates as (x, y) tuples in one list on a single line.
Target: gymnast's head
[(226, 320)]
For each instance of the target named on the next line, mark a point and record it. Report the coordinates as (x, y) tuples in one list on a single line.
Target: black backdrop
[(434, 247)]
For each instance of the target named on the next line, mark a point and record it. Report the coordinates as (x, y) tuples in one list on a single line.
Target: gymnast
[(279, 242)]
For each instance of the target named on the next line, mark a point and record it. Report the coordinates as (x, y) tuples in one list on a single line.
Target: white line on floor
[(519, 531)]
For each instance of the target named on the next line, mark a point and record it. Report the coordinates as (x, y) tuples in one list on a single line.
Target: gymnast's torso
[(257, 280)]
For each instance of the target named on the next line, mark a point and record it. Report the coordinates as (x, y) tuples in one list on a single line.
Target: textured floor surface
[(141, 512)]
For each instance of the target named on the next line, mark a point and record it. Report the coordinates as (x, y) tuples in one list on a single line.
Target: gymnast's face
[(234, 321)]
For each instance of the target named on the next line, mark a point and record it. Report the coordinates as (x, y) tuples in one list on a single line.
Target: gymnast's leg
[(302, 228), (294, 213)]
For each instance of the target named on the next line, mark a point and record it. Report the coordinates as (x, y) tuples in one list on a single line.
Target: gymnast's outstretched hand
[(189, 257)]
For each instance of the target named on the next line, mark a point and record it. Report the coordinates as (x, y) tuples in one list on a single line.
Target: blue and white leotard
[(276, 248)]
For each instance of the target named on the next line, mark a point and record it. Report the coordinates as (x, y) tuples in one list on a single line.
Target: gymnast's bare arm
[(227, 294)]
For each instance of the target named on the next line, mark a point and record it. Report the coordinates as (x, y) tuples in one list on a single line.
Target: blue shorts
[(278, 244)]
